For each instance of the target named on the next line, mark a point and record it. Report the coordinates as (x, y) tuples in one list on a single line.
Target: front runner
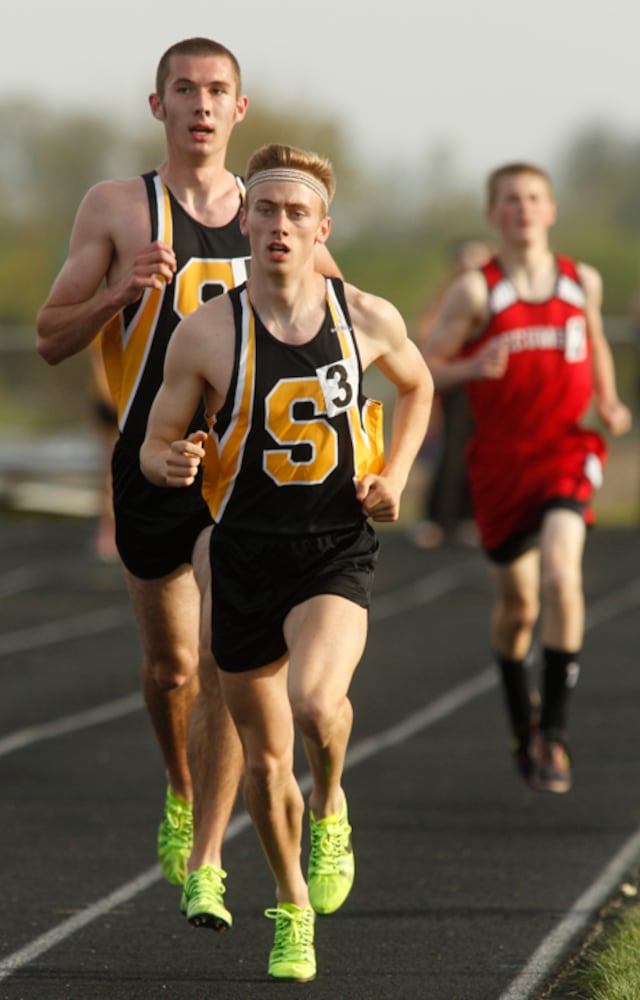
[(293, 470)]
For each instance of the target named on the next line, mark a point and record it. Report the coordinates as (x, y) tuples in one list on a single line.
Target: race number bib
[(575, 345), (339, 385)]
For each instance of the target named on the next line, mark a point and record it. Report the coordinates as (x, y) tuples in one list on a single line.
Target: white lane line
[(421, 591), (360, 752), (71, 723), (556, 944), (24, 578), (434, 712), (545, 956), (427, 588), (62, 629), (51, 938), (625, 599), (18, 959)]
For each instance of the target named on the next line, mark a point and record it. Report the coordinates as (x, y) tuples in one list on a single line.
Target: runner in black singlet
[(293, 469), (144, 252)]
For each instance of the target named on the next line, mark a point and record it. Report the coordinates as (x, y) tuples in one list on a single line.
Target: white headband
[(289, 174)]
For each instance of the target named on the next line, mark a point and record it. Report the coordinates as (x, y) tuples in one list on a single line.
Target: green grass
[(608, 969)]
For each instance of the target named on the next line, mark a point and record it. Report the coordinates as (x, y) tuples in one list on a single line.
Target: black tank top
[(210, 261), (295, 430)]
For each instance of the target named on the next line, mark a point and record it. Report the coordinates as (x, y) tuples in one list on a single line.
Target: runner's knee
[(266, 771), (170, 672), (561, 584), (517, 612), (316, 715)]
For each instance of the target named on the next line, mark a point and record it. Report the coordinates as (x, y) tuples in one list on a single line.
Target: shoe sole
[(292, 979), (210, 921), (558, 787)]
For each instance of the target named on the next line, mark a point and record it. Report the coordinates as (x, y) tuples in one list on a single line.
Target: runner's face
[(523, 210), (200, 104), (284, 220)]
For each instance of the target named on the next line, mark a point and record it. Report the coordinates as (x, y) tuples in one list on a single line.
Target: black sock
[(560, 676), (515, 687)]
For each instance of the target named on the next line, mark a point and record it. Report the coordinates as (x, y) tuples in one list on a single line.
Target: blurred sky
[(494, 79)]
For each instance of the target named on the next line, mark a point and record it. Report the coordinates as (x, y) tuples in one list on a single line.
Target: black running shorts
[(156, 527), (259, 578)]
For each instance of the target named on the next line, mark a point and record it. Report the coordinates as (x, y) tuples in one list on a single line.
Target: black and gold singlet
[(210, 261), (295, 430)]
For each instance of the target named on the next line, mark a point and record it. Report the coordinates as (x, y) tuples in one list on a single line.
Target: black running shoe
[(525, 754)]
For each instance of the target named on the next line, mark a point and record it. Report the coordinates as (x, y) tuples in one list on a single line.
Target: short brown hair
[(194, 47), (513, 170), (276, 155)]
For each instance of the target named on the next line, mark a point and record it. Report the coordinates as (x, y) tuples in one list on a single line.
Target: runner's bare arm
[(197, 366), (95, 283), (167, 457), (613, 413), (464, 312), (383, 341)]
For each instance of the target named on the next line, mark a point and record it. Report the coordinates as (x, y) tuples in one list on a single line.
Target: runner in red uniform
[(525, 334)]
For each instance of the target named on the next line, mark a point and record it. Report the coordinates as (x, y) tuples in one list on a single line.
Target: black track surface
[(462, 873)]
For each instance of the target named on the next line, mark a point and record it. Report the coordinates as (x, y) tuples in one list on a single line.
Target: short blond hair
[(514, 170), (276, 156)]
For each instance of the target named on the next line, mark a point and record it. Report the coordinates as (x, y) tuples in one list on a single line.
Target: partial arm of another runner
[(382, 340), (463, 314), (324, 263), (614, 414)]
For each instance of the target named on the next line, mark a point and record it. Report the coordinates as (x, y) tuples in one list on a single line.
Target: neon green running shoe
[(293, 955), (202, 899), (331, 863), (175, 838)]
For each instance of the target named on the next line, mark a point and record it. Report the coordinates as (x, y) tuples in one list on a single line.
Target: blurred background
[(414, 108)]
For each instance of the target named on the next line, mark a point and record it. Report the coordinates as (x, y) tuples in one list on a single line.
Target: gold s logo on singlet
[(312, 435), (202, 279)]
